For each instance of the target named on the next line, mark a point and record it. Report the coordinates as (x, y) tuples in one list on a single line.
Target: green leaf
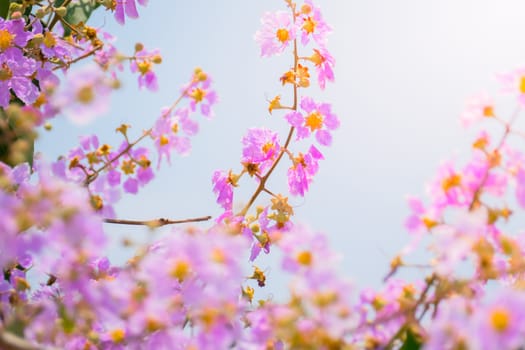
[(80, 11), (4, 8), (412, 341)]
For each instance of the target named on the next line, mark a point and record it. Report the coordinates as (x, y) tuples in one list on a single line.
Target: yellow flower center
[(6, 39), (218, 256), (144, 67), (522, 85), (85, 94), (267, 147), (198, 95), (175, 128), (304, 258), (451, 181), (49, 40), (164, 140), (283, 35), (117, 335), (181, 270), (429, 223), (128, 167), (500, 319), (309, 25), (314, 121), (153, 325), (488, 111)]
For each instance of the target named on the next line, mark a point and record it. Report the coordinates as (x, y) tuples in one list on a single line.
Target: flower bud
[(139, 47), (61, 11)]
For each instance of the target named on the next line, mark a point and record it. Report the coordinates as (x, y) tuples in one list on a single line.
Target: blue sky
[(403, 72)]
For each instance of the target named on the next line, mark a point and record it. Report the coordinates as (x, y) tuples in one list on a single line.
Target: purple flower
[(260, 148), (312, 24), (223, 184), (317, 118), (16, 73), (301, 174), (127, 8), (85, 95), (277, 32)]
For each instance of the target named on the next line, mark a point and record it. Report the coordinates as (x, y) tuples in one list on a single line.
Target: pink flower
[(261, 147), (223, 186), (200, 93), (312, 24), (318, 118), (277, 32), (514, 83), (420, 219), (143, 63), (127, 8), (171, 132), (85, 95), (478, 107), (301, 174), (324, 62)]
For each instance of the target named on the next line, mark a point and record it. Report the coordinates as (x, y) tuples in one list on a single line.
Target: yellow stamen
[(283, 35), (488, 111), (128, 167), (85, 94), (451, 181), (218, 256), (309, 25), (304, 258), (267, 147), (522, 85), (144, 67), (429, 223), (198, 95), (163, 140), (500, 319), (6, 39), (314, 121), (181, 270), (117, 335), (49, 40)]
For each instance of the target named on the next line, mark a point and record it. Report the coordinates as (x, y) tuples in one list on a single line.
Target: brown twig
[(156, 222)]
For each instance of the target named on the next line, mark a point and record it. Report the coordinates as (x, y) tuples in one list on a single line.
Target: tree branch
[(155, 222)]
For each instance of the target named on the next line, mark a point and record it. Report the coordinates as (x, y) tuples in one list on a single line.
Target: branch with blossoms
[(262, 151)]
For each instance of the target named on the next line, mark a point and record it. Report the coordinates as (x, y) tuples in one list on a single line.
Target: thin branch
[(56, 17), (156, 222)]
